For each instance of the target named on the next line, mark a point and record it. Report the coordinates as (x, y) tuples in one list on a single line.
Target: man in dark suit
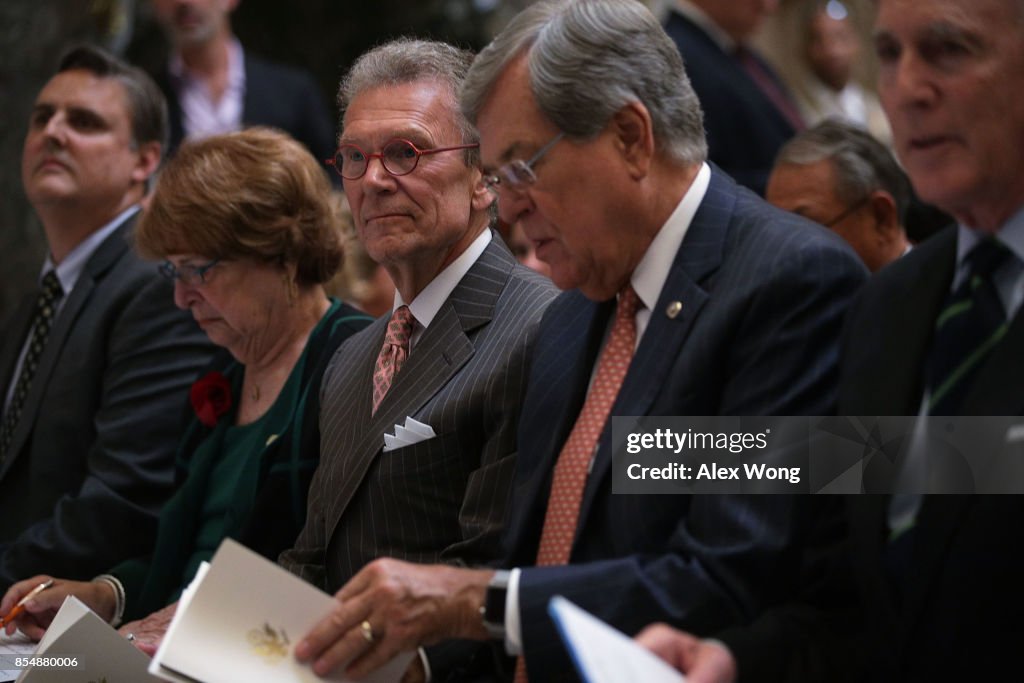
[(421, 208), (691, 296), (96, 367), (937, 333), (748, 112), (213, 86)]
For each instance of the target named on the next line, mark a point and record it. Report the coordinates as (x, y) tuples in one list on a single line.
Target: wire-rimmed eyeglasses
[(188, 274), (399, 157), (518, 175)]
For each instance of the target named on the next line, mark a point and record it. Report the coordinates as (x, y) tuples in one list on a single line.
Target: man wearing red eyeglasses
[(419, 410)]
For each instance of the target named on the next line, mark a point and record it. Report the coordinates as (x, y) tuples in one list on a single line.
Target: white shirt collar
[(69, 270), (714, 31), (649, 277), (429, 301)]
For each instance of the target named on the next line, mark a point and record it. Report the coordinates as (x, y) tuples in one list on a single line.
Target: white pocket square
[(411, 433)]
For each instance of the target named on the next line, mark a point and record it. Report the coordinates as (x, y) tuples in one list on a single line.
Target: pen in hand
[(20, 607)]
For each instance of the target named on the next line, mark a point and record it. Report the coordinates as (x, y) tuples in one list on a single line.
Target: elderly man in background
[(690, 296), (96, 366), (841, 177), (937, 333)]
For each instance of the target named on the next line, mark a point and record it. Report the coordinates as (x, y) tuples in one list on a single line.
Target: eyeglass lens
[(398, 156)]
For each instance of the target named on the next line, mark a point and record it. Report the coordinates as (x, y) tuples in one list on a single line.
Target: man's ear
[(883, 211), (482, 197), (148, 161), (633, 135)]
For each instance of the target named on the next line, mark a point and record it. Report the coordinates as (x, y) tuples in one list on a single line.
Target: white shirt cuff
[(513, 627)]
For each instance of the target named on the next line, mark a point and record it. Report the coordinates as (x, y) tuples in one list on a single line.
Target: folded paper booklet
[(601, 653), (240, 620), (79, 646)]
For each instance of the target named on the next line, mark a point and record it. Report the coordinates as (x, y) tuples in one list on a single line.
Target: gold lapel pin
[(673, 309)]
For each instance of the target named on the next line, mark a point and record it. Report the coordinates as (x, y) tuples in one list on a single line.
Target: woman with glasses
[(250, 233)]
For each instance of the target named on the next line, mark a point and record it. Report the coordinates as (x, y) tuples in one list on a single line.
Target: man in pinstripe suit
[(596, 141), (422, 208)]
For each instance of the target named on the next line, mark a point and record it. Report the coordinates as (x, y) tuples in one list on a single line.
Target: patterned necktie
[(573, 463), (770, 87), (971, 323), (392, 354), (46, 307)]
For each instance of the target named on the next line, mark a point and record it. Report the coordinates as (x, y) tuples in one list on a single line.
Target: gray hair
[(589, 58), (407, 60), (863, 164)]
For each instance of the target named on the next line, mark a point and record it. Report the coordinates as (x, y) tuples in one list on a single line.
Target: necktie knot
[(49, 294), (986, 257), (400, 328), (629, 303)]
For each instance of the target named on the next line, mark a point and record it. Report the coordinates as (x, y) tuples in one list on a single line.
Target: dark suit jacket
[(960, 616), (763, 296), (744, 128), (443, 499), (92, 458), (277, 96), (267, 523)]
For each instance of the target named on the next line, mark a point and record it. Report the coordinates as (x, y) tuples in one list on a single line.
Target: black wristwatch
[(493, 610)]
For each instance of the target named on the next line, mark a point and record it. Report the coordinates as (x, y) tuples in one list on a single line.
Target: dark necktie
[(46, 308), (770, 87), (971, 324)]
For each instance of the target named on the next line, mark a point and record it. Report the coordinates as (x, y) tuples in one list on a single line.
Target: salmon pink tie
[(574, 460), (393, 353)]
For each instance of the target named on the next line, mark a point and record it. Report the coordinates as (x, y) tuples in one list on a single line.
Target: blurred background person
[(525, 251), (843, 178), (748, 112), (213, 85), (250, 233), (827, 89)]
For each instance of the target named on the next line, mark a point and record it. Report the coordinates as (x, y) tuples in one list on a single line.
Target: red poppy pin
[(211, 397)]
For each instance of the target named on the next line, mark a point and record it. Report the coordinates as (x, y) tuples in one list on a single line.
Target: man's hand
[(149, 631), (41, 609), (391, 607), (703, 661)]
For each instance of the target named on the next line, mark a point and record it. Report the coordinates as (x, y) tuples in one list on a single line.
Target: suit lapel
[(698, 258), (900, 382), (18, 329), (997, 388), (563, 362), (96, 267), (440, 353)]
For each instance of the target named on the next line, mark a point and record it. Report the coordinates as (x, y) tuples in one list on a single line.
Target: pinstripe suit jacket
[(443, 499), (763, 297)]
